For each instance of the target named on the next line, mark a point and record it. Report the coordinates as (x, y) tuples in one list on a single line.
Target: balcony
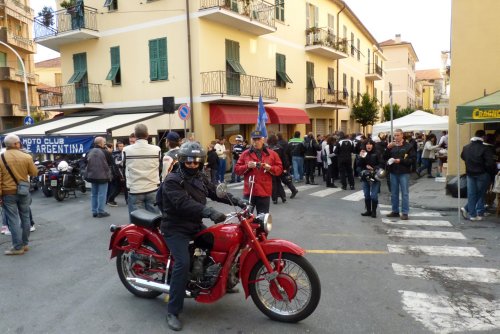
[(255, 16), (67, 26), (10, 74), (324, 43), (77, 96), (320, 97), (19, 42), (234, 87), (374, 72), (18, 7), (9, 110)]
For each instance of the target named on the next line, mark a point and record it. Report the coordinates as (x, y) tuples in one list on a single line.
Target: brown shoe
[(392, 215), (14, 251), (404, 217), (26, 248)]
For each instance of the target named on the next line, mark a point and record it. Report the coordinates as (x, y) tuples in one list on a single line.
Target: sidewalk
[(428, 193)]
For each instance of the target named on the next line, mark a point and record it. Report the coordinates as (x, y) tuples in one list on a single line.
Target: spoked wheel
[(59, 194), (297, 279), (140, 264)]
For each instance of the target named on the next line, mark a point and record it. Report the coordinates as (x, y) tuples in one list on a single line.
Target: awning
[(233, 114), (40, 129), (281, 115), (483, 110)]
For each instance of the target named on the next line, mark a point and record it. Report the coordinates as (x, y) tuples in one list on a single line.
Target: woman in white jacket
[(331, 160), (428, 155)]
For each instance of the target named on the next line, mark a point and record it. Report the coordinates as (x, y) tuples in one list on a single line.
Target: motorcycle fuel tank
[(224, 236)]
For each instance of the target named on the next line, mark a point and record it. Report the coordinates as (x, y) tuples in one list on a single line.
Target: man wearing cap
[(238, 148), (170, 157), (263, 163)]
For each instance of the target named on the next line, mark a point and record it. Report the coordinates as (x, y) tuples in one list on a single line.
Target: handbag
[(496, 184), (23, 187)]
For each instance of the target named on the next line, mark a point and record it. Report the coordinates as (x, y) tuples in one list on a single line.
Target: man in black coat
[(345, 148)]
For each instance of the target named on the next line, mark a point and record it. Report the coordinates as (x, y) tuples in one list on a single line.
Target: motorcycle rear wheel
[(297, 277), (125, 263), (46, 191), (59, 194)]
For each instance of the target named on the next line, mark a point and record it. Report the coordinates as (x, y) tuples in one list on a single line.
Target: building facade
[(16, 26), (400, 72), (308, 60)]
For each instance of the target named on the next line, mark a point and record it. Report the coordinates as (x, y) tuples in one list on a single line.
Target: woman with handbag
[(428, 155), (370, 163)]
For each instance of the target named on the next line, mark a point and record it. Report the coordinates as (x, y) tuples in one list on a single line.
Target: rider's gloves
[(216, 216)]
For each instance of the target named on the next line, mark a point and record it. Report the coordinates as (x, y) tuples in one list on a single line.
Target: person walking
[(118, 178), (262, 163), (310, 156), (98, 174), (479, 164), (222, 152), (399, 156), (428, 155), (142, 163), (238, 148), (286, 177), (296, 151), (370, 162), (278, 190), (344, 150), (331, 161), (212, 162), (15, 168)]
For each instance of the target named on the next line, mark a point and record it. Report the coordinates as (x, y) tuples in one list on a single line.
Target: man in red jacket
[(263, 163)]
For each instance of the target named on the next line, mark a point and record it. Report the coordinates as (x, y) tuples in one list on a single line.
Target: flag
[(262, 118)]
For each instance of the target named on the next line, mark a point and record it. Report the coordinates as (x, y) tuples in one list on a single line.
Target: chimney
[(398, 38)]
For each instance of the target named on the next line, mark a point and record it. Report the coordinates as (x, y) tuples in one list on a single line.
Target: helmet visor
[(194, 159)]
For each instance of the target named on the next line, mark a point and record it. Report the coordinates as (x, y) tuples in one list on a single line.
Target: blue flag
[(262, 118)]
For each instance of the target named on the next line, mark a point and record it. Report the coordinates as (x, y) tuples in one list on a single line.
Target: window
[(311, 84), (79, 68), (280, 10), (368, 52), (358, 86), (359, 49), (331, 24), (375, 92), (158, 65), (233, 56), (312, 15), (281, 77), (352, 89), (344, 86), (22, 95), (3, 59), (331, 80), (114, 73), (111, 4), (352, 44)]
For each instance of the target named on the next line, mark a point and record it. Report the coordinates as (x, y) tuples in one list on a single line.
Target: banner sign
[(58, 145)]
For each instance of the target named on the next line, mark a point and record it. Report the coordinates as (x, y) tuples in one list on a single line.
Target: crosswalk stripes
[(415, 222), (434, 250), (481, 275), (417, 214), (325, 192), (425, 234)]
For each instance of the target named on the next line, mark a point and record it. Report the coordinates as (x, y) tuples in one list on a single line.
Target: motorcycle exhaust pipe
[(165, 288)]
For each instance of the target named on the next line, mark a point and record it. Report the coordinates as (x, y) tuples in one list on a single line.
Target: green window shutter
[(79, 67), (3, 59), (115, 63), (233, 56), (229, 50), (162, 61), (331, 79), (153, 60)]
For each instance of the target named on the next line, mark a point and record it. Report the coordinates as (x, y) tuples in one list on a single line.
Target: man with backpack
[(310, 155), (344, 149)]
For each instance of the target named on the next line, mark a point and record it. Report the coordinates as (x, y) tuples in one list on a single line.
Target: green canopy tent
[(482, 110)]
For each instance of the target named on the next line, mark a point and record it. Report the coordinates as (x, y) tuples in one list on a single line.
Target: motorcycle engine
[(204, 271)]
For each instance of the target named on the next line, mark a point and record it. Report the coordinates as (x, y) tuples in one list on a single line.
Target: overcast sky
[(424, 23)]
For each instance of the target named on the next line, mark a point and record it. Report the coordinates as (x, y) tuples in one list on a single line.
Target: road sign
[(28, 120), (184, 112)]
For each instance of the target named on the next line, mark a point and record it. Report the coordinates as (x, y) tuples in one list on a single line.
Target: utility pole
[(390, 104)]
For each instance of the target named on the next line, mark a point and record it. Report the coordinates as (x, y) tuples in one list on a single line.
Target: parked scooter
[(282, 283), (68, 180), (48, 179)]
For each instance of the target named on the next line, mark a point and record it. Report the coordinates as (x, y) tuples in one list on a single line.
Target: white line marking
[(441, 314), (387, 206), (416, 222), (481, 275), (325, 192), (417, 214), (425, 234), (434, 250), (358, 195), (302, 188)]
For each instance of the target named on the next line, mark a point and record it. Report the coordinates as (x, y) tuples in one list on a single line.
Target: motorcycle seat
[(145, 218)]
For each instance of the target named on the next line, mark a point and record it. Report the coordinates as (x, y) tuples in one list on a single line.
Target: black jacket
[(281, 153), (405, 153), (212, 159), (478, 158), (373, 158), (345, 148), (311, 148)]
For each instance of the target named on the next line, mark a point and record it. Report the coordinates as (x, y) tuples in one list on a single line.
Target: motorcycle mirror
[(221, 190)]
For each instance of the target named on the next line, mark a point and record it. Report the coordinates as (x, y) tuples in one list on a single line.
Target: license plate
[(53, 183)]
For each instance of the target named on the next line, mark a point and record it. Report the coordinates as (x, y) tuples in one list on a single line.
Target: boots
[(368, 204), (374, 209), (307, 179), (312, 180)]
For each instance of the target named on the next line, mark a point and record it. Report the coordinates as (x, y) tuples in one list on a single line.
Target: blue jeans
[(143, 201), (17, 215), (476, 188), (98, 197), (371, 190), (235, 177), (426, 164), (298, 168), (221, 170), (179, 249), (400, 181)]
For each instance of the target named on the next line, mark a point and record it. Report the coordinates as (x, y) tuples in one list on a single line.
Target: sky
[(424, 23)]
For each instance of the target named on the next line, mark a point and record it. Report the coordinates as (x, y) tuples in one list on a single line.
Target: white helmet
[(63, 166)]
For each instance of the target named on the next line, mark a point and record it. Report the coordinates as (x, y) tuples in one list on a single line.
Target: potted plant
[(69, 5), (47, 16)]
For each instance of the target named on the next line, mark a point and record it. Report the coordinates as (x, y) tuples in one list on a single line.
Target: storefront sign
[(58, 145)]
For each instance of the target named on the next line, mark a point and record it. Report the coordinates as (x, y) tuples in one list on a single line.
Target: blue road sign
[(28, 120), (184, 112)]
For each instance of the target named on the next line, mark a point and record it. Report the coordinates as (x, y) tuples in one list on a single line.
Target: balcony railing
[(234, 84), (255, 10), (13, 4), (70, 94), (325, 37), (20, 42), (73, 18), (374, 69), (11, 74), (10, 109), (320, 95)]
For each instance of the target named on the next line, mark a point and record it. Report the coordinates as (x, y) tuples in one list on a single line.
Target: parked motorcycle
[(282, 283), (68, 180), (48, 179)]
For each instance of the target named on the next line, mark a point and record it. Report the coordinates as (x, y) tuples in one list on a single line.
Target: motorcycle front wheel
[(60, 194), (299, 280), (141, 265)]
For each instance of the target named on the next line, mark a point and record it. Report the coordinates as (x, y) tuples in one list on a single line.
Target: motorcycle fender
[(135, 236), (249, 257)]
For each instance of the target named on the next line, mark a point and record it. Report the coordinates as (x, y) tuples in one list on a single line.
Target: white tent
[(416, 121)]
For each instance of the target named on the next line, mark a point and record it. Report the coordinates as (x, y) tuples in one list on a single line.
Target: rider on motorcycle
[(183, 206)]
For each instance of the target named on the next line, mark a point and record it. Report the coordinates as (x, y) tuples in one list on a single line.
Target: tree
[(397, 112), (365, 110)]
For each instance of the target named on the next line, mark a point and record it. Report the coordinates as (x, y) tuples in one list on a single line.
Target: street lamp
[(24, 76)]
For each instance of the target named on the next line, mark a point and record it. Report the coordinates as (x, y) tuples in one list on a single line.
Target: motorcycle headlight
[(266, 221)]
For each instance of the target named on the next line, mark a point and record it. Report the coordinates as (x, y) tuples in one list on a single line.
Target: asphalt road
[(66, 283)]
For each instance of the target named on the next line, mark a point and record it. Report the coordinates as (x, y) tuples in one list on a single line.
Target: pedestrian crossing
[(462, 311)]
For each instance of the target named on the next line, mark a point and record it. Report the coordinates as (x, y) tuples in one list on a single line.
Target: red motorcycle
[(282, 283)]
